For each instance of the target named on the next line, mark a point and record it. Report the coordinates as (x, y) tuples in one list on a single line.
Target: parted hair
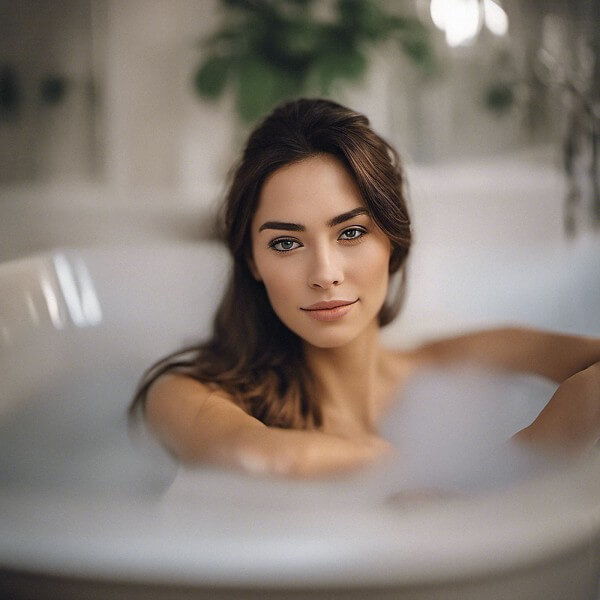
[(251, 355)]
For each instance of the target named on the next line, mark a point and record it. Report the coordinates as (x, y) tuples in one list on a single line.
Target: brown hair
[(252, 355)]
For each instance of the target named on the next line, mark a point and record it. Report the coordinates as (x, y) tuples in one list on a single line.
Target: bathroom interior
[(117, 131)]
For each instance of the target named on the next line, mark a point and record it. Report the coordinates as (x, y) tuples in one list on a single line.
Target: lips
[(329, 311), (331, 304)]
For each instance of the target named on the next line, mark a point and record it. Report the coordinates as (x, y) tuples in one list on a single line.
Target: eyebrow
[(331, 223)]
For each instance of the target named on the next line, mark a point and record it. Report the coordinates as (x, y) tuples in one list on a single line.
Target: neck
[(349, 382)]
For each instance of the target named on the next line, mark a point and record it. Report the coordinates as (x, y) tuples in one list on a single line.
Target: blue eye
[(284, 245), (352, 234)]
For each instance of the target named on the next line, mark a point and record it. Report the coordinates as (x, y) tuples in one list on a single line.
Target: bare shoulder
[(181, 384), (175, 391), (175, 399), (192, 418)]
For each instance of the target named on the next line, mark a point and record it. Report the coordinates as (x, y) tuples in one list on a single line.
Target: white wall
[(42, 142), (158, 134)]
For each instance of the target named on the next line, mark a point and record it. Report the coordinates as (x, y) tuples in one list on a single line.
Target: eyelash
[(361, 230)]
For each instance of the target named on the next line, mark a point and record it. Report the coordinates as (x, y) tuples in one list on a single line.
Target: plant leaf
[(364, 19), (499, 97), (343, 62), (417, 47), (211, 77), (261, 86)]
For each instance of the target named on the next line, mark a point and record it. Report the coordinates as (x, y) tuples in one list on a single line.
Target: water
[(451, 430), (71, 436)]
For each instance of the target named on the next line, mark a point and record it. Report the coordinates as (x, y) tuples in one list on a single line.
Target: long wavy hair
[(251, 355)]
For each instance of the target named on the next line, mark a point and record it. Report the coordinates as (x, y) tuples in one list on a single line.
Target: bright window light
[(496, 20), (460, 19), (439, 10)]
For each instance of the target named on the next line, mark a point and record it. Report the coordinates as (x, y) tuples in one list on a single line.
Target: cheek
[(278, 279), (374, 276), (375, 264)]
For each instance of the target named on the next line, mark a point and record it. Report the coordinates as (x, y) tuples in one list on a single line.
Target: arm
[(571, 419), (203, 427), (555, 356)]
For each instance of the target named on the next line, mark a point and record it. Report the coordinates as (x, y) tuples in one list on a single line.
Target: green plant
[(271, 50)]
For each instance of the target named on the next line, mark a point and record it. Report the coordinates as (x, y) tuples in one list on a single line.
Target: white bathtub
[(83, 511)]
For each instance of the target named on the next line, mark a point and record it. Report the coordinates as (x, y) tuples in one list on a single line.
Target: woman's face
[(322, 259)]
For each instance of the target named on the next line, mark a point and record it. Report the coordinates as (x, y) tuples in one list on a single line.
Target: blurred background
[(119, 120)]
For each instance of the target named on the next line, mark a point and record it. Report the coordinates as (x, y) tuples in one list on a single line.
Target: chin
[(333, 334), (326, 344), (328, 339)]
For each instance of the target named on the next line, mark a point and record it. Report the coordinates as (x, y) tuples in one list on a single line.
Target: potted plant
[(272, 50)]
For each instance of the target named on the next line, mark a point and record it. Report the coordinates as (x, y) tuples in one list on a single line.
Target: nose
[(326, 269)]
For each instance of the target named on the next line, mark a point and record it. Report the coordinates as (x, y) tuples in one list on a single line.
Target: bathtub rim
[(34, 542)]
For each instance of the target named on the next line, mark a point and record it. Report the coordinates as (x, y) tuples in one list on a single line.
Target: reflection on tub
[(46, 291), (77, 291)]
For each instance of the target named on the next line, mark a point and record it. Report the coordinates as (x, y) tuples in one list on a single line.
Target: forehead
[(316, 188)]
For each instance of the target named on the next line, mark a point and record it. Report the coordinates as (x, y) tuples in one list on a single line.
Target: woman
[(294, 380)]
